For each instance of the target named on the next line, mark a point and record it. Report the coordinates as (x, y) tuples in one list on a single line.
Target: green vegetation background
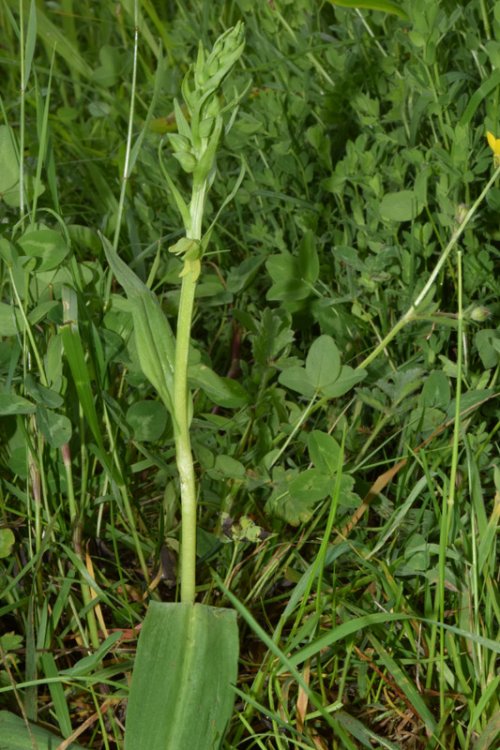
[(362, 135)]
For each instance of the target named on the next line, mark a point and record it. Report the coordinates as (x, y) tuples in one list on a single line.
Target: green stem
[(183, 452), (184, 456)]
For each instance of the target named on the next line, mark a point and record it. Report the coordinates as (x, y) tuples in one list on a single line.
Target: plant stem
[(183, 452), (184, 456)]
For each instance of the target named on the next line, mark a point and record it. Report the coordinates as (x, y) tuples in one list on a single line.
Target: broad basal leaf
[(182, 686)]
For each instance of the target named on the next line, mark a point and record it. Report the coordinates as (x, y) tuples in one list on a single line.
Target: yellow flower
[(494, 144)]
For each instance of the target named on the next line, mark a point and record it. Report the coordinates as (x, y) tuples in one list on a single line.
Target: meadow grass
[(353, 529)]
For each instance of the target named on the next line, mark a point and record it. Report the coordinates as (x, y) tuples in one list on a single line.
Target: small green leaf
[(9, 173), (224, 392), (487, 342), (400, 206), (12, 404), (11, 321), (295, 499), (287, 283), (347, 379), (227, 467), (112, 67), (56, 428), (42, 395), (436, 390), (7, 541), (148, 420), (296, 379), (323, 362), (11, 641), (324, 451), (45, 244)]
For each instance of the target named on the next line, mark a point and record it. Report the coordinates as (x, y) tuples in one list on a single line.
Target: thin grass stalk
[(409, 315), (449, 501), (22, 113), (130, 130)]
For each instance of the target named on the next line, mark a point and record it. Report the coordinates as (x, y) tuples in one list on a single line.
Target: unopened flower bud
[(461, 213), (479, 314)]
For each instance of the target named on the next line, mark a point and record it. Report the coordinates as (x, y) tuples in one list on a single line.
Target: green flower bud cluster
[(195, 143)]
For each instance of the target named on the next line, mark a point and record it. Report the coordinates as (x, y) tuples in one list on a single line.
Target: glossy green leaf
[(182, 686)]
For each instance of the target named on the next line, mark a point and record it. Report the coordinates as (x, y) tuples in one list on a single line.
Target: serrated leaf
[(273, 336), (11, 641)]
